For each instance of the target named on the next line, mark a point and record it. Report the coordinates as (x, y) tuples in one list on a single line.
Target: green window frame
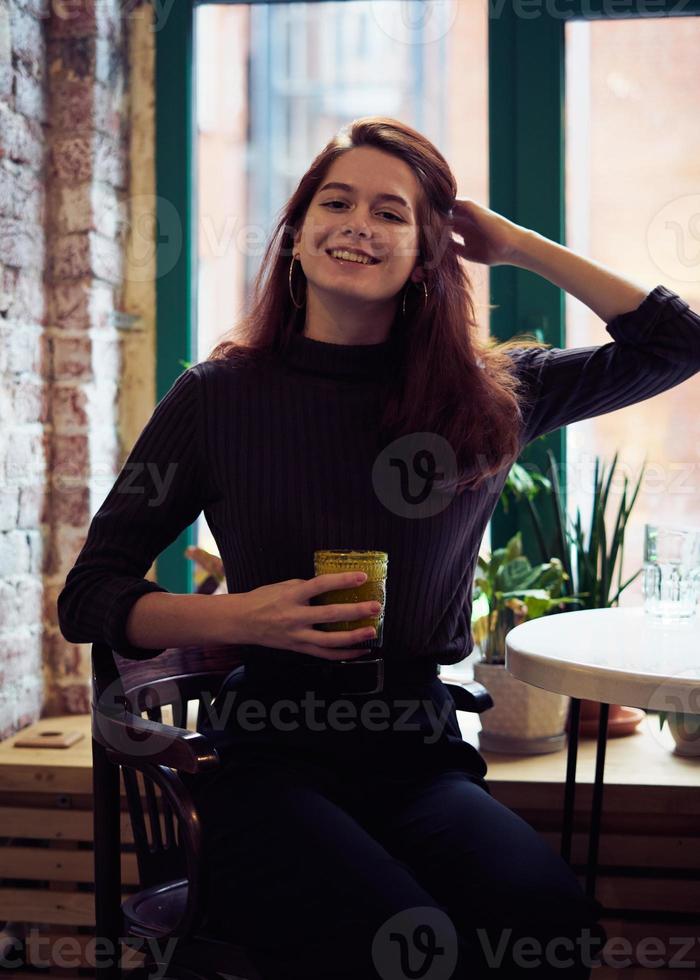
[(176, 273), (526, 178)]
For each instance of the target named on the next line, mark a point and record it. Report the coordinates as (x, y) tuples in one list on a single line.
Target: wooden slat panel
[(61, 801), (48, 864), (634, 850), (44, 976), (49, 949), (601, 973), (39, 778), (640, 823), (637, 973), (661, 895), (671, 950), (49, 783), (53, 824), (70, 908), (617, 799), (37, 905), (668, 947)]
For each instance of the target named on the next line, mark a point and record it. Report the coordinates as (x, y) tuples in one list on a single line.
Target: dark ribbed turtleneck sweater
[(283, 459)]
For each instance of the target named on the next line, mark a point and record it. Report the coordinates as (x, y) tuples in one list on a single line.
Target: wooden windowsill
[(643, 759)]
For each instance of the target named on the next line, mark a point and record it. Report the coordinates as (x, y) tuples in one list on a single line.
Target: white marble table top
[(616, 656)]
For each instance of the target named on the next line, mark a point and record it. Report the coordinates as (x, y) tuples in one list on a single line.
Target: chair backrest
[(175, 688), (176, 680)]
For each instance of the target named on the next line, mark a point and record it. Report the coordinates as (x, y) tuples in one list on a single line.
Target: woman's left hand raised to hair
[(489, 238)]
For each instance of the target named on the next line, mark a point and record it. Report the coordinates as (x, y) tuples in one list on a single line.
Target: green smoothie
[(375, 565)]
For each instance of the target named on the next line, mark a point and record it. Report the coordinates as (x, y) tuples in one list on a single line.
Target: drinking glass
[(375, 564), (671, 582)]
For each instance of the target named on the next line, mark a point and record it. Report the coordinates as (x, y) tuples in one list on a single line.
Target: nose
[(358, 223), (357, 228)]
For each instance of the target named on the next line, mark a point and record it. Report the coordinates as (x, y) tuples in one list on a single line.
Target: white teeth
[(351, 257)]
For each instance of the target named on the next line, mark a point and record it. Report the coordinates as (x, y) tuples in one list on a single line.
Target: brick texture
[(64, 149), (24, 404)]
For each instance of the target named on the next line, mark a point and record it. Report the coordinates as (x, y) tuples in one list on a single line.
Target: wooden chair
[(166, 826)]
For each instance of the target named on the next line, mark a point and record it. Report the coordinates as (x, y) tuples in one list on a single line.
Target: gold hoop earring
[(291, 293), (425, 299)]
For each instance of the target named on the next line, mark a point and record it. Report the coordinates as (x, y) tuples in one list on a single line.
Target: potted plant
[(596, 557), (508, 591), (685, 729)]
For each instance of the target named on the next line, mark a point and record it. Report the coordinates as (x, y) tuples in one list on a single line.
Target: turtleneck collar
[(351, 361)]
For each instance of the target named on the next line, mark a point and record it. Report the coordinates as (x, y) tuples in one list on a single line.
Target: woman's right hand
[(280, 616)]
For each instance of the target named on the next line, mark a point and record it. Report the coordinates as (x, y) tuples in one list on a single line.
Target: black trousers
[(360, 854)]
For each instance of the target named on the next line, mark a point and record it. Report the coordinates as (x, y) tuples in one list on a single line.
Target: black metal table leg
[(570, 791), (594, 834), (570, 787)]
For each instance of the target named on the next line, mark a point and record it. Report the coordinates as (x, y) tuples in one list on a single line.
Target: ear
[(418, 274)]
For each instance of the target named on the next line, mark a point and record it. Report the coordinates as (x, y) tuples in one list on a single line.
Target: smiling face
[(375, 213)]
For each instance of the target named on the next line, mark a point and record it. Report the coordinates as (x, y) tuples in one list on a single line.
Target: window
[(274, 82), (633, 145)]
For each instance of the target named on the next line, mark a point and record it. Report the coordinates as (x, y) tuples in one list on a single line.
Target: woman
[(359, 410)]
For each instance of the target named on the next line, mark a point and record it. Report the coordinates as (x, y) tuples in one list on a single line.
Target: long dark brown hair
[(447, 380)]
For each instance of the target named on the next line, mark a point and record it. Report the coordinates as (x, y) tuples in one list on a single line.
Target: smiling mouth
[(364, 265)]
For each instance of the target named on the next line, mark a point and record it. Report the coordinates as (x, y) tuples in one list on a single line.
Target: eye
[(328, 205)]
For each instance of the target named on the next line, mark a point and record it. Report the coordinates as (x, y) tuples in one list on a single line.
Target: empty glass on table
[(671, 583)]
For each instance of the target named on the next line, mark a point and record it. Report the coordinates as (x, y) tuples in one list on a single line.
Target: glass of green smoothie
[(375, 564)]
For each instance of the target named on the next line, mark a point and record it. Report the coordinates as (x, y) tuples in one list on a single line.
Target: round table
[(614, 656)]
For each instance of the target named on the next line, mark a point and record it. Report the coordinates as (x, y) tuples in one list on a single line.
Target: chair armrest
[(470, 696), (134, 741)]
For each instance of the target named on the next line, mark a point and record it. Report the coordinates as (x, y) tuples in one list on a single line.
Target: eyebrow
[(380, 197)]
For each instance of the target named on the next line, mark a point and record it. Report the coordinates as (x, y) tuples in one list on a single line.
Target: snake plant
[(597, 554), (593, 569)]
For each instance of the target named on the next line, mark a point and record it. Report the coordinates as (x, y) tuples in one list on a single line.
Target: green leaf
[(513, 574), (559, 516), (522, 484), (525, 593), (628, 582), (514, 548), (480, 608), (618, 538), (539, 531), (604, 580), (497, 558)]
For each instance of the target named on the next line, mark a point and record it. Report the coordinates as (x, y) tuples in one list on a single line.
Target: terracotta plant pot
[(524, 719), (621, 719)]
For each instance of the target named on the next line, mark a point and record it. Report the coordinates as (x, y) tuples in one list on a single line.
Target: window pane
[(632, 152), (275, 82)]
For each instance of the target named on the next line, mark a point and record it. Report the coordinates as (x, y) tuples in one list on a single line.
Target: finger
[(344, 611), (339, 638), (328, 583)]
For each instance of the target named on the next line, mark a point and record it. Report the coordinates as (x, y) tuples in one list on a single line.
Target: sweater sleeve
[(655, 347), (160, 491)]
